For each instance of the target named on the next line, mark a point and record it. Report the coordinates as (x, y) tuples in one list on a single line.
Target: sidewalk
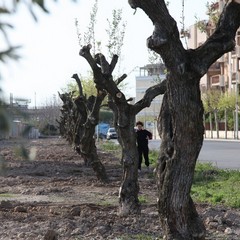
[(222, 136)]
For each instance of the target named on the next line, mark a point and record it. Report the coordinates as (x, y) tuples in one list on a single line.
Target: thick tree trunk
[(181, 130), (129, 189), (180, 121), (86, 147), (78, 121), (84, 136), (94, 162), (124, 118)]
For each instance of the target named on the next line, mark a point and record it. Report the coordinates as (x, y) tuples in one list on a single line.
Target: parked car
[(111, 134)]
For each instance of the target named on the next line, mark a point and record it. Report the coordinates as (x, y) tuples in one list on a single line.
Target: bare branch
[(149, 95), (85, 52), (75, 76), (120, 79), (113, 62), (221, 41), (165, 38), (103, 74)]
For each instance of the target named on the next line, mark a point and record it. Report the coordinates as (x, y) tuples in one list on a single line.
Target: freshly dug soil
[(55, 196)]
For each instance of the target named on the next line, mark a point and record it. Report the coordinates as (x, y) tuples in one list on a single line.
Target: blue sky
[(50, 46)]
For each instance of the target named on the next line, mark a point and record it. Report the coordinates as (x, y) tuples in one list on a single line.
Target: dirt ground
[(55, 196)]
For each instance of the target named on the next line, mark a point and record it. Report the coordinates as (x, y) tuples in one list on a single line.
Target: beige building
[(149, 75), (224, 74)]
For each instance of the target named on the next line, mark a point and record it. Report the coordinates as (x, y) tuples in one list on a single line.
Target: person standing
[(143, 136)]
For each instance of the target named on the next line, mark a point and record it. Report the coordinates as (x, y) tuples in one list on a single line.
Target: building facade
[(149, 75), (224, 74)]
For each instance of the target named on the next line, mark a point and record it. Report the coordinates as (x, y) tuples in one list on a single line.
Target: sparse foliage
[(88, 86), (116, 33), (213, 17)]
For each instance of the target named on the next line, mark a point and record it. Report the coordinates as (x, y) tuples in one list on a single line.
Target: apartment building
[(224, 74), (149, 75)]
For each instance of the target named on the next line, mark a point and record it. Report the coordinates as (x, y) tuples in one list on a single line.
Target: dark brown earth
[(55, 196)]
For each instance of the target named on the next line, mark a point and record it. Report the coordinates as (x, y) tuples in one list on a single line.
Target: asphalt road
[(221, 153)]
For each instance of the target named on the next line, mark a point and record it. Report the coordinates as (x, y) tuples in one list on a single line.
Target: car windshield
[(111, 130)]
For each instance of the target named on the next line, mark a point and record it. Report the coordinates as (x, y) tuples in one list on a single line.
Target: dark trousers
[(143, 150)]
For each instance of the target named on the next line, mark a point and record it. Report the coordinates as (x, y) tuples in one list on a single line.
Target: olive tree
[(81, 115), (180, 122), (125, 114), (77, 124)]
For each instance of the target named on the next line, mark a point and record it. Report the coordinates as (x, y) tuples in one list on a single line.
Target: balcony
[(235, 77), (237, 51), (217, 80), (214, 69)]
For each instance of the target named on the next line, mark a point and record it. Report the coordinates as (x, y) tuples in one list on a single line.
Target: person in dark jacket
[(143, 136)]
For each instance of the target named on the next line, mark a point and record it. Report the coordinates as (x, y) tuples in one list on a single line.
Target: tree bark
[(124, 114), (180, 122), (79, 119), (125, 118), (84, 135)]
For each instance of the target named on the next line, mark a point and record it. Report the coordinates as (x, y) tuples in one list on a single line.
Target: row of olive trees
[(83, 100), (180, 120), (80, 114), (79, 117)]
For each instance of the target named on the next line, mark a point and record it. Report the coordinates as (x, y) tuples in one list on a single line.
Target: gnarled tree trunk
[(79, 119), (124, 120), (102, 71), (84, 136), (181, 118)]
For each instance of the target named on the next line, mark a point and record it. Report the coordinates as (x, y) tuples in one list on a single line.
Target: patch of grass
[(6, 195), (110, 146), (153, 157), (216, 186), (142, 199), (105, 203)]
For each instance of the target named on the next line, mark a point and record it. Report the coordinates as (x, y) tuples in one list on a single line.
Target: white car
[(111, 134)]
